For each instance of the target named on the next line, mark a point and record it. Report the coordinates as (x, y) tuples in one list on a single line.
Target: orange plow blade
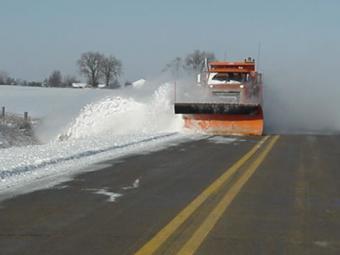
[(226, 124)]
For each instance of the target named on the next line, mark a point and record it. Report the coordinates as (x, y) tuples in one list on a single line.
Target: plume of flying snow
[(302, 96)]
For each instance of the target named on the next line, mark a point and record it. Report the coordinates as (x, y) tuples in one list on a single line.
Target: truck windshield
[(229, 77)]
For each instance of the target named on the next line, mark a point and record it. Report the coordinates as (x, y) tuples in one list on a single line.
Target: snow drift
[(121, 122)]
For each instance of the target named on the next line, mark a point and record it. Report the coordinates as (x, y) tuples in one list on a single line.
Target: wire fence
[(9, 117)]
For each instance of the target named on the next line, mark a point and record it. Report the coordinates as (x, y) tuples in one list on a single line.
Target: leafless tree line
[(5, 79), (56, 79), (97, 67), (193, 63)]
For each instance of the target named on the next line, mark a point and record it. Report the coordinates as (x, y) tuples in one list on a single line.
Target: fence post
[(26, 116)]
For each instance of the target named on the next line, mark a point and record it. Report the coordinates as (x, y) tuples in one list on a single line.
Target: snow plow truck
[(232, 104)]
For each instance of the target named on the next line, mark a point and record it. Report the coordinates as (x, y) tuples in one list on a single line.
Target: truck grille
[(230, 96)]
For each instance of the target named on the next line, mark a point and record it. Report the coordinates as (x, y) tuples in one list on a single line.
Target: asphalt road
[(274, 195)]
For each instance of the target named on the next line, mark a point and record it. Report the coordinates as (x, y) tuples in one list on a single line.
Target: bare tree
[(111, 69), (194, 62), (55, 79), (175, 67), (69, 80), (90, 65), (11, 81), (3, 78)]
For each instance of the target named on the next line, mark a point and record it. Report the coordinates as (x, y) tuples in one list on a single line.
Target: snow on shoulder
[(104, 129)]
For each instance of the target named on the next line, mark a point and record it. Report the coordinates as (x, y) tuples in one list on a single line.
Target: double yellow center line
[(202, 231)]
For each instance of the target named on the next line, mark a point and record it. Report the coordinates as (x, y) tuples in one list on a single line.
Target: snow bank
[(117, 124), (15, 131)]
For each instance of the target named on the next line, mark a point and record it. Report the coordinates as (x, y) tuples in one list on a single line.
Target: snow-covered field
[(81, 127)]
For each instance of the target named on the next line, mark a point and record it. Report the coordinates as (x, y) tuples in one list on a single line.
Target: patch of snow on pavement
[(222, 139), (134, 185), (103, 191), (112, 196)]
